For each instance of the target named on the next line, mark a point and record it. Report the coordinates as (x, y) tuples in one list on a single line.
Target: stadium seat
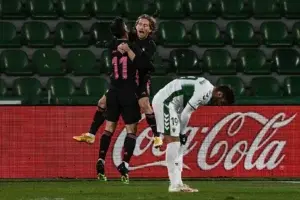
[(158, 82), (105, 62), (61, 90), (42, 9), (105, 9), (8, 35), (266, 86), (74, 9), (234, 9), (100, 34), (29, 89), (47, 62), (241, 33), (82, 62), (36, 34), (15, 63), (12, 9), (185, 62), (160, 68), (292, 86), (172, 34), (134, 8), (296, 33), (275, 33), (94, 86), (218, 62), (253, 61), (3, 88), (234, 82), (70, 34), (267, 9), (206, 34), (286, 61), (291, 9), (171, 9), (204, 9)]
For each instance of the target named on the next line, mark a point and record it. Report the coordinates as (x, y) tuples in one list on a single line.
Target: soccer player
[(173, 106), (145, 48)]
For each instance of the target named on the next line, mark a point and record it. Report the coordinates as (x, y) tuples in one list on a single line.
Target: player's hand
[(120, 49), (183, 139), (125, 47)]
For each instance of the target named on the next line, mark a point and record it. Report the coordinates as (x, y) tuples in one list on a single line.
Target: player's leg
[(98, 120)]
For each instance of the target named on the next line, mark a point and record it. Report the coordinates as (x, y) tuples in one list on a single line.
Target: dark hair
[(118, 27), (228, 94), (152, 21)]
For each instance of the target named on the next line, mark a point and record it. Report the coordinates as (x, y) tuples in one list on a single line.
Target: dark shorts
[(124, 103), (143, 89)]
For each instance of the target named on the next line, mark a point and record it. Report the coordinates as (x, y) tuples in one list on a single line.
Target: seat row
[(166, 9), (48, 62), (169, 34), (62, 90)]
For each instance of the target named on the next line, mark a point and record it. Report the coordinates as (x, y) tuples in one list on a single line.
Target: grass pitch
[(140, 190)]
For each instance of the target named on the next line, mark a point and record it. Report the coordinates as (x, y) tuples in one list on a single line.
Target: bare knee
[(169, 139), (102, 103), (145, 105), (131, 128), (110, 126)]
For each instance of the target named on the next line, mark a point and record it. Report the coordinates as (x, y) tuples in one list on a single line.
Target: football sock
[(98, 120), (129, 145), (179, 167), (104, 144), (152, 123), (172, 165)]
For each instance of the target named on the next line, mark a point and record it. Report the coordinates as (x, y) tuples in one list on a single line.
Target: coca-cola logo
[(268, 151)]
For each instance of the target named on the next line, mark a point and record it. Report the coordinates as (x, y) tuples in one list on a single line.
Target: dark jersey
[(123, 72)]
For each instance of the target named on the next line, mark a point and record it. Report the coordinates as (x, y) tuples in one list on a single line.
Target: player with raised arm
[(173, 106), (144, 48)]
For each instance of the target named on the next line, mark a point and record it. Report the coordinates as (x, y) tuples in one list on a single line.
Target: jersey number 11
[(120, 62)]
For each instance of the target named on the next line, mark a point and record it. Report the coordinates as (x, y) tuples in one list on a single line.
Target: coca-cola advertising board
[(240, 141)]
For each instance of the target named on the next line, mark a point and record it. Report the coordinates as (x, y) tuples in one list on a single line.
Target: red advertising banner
[(242, 141)]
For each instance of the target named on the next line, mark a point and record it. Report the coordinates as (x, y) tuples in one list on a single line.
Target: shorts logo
[(167, 121)]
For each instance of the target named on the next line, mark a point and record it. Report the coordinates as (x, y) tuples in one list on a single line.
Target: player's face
[(143, 28)]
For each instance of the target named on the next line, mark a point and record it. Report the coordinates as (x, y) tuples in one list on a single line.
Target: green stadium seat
[(286, 61), (266, 86), (29, 89), (71, 34), (234, 9), (173, 34), (204, 9), (105, 62), (296, 33), (291, 9), (253, 61), (105, 9), (36, 34), (61, 90), (47, 62), (206, 34), (185, 61), (3, 88), (8, 35), (235, 83), (159, 66), (74, 9), (12, 9), (218, 62), (267, 9), (94, 86), (292, 86), (171, 9), (275, 33), (82, 62), (241, 33), (100, 34), (42, 9), (15, 63), (134, 8), (158, 82)]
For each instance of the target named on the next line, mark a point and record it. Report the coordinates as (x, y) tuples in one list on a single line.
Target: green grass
[(140, 190)]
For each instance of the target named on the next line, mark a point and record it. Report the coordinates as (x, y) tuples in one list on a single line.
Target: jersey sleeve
[(202, 93)]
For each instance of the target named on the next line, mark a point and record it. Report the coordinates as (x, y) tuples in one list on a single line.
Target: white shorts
[(166, 116)]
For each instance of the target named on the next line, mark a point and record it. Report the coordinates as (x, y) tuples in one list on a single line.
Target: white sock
[(179, 168), (171, 156)]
